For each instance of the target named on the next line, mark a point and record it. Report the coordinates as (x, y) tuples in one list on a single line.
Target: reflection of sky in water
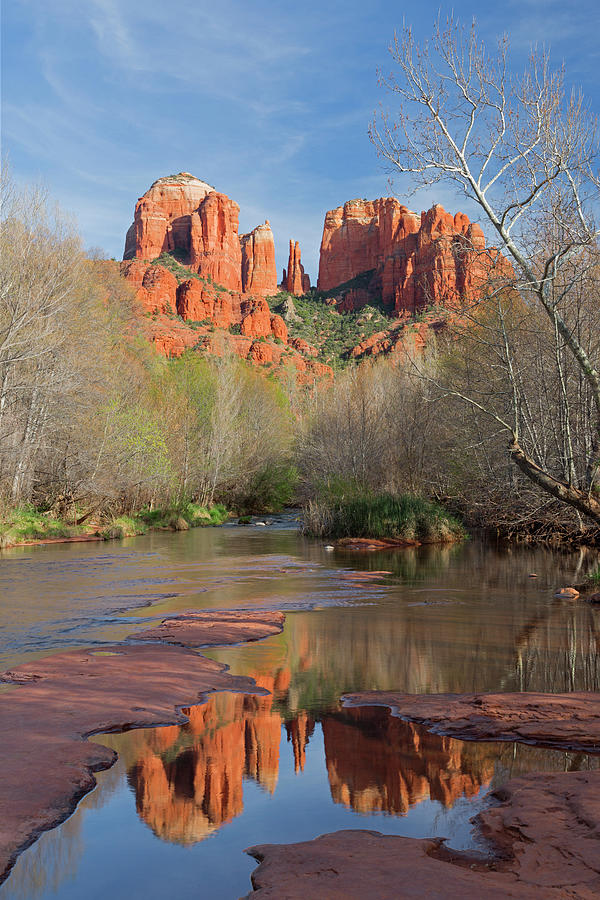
[(444, 619), (107, 849)]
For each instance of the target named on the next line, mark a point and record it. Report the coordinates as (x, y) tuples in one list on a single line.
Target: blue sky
[(267, 101)]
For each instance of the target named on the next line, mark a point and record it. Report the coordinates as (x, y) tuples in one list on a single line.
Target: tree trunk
[(584, 503)]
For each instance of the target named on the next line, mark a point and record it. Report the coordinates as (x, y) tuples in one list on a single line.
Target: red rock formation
[(259, 273), (155, 286), (294, 280), (214, 241), (181, 214), (435, 259), (198, 301), (162, 216)]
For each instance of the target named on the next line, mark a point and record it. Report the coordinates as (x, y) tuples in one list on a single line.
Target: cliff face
[(162, 216), (214, 241), (259, 273), (182, 215), (413, 261)]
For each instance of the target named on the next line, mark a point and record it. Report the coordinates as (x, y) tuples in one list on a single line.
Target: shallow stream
[(173, 816)]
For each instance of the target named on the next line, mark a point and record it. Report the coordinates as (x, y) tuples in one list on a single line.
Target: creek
[(175, 813)]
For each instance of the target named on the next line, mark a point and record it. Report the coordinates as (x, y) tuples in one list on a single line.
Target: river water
[(175, 813)]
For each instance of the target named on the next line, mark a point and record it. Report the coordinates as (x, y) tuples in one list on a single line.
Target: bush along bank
[(27, 524), (403, 519)]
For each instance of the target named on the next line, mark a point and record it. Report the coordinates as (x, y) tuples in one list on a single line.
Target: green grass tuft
[(382, 516)]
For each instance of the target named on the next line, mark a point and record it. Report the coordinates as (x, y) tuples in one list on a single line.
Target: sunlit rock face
[(259, 273), (182, 215), (162, 219), (376, 762), (294, 279), (413, 261)]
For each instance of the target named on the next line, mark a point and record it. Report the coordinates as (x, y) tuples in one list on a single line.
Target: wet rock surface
[(205, 629), (569, 721), (47, 763), (543, 829)]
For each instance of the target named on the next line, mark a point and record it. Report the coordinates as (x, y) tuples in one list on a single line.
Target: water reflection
[(284, 767)]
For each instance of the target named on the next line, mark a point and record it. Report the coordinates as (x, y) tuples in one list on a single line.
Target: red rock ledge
[(544, 832), (566, 721), (207, 629), (47, 761)]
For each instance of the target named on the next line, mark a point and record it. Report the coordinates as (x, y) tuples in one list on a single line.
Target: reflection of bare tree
[(558, 649)]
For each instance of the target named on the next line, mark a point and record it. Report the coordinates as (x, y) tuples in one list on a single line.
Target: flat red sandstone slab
[(209, 629), (366, 864), (544, 835), (47, 763), (568, 721), (373, 544)]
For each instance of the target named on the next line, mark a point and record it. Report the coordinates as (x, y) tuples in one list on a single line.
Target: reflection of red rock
[(416, 261), (377, 762), (294, 279), (185, 796), (259, 274), (299, 731)]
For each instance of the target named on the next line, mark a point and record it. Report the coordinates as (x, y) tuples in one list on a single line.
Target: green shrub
[(381, 516), (124, 526)]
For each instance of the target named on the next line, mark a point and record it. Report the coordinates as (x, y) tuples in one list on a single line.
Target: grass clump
[(123, 526), (382, 517), (594, 577), (28, 523), (179, 517)]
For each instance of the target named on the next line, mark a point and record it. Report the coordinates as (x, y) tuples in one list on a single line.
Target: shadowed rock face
[(415, 261), (294, 278)]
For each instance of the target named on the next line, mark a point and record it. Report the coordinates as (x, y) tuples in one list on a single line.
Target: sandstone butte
[(222, 277), (182, 215), (412, 261)]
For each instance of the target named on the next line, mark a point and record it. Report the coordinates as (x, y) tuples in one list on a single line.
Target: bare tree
[(526, 154)]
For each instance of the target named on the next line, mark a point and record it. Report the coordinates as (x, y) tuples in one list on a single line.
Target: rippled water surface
[(173, 816)]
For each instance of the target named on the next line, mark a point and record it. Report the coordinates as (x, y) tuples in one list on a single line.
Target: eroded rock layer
[(184, 216), (411, 261)]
